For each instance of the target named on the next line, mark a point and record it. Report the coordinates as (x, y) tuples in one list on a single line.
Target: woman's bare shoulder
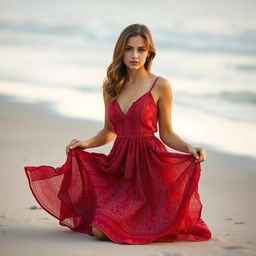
[(163, 83), (163, 86)]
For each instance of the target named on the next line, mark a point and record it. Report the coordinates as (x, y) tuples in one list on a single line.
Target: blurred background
[(56, 52)]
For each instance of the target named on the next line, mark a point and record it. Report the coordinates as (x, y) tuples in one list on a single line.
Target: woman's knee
[(99, 234)]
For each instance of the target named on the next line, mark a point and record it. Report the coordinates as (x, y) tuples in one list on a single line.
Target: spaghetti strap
[(154, 83)]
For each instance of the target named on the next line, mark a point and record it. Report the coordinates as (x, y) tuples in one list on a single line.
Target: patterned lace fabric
[(138, 193)]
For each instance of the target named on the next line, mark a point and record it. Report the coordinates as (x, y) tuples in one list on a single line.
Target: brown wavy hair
[(116, 72)]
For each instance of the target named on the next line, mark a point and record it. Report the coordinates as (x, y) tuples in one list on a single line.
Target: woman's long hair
[(116, 72)]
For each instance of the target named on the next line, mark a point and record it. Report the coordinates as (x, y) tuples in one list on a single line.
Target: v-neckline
[(146, 93), (127, 113)]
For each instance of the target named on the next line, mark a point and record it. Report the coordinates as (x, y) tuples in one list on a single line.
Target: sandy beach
[(32, 135)]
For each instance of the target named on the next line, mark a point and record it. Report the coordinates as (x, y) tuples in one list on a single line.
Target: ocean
[(57, 52)]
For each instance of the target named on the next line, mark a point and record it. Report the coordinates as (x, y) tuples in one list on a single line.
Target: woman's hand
[(76, 144), (199, 153)]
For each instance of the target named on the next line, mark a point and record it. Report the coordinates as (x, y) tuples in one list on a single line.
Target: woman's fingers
[(73, 143), (193, 151), (199, 152), (67, 149), (202, 154)]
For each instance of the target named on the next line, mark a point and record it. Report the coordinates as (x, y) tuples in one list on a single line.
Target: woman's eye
[(141, 50)]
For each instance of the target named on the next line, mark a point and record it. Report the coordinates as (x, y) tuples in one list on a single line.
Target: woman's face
[(135, 52)]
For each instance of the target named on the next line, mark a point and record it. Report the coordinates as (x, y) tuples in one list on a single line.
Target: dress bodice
[(140, 119)]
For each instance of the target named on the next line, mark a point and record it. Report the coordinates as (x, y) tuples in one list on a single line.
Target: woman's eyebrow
[(138, 47)]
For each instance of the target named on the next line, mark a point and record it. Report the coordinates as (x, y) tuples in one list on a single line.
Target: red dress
[(138, 193)]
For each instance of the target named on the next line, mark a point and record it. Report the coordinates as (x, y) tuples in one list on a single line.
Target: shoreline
[(48, 110), (33, 135), (226, 134)]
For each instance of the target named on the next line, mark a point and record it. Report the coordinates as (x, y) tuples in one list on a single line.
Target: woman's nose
[(135, 54)]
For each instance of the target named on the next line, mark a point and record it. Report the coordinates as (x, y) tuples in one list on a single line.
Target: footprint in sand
[(34, 207), (234, 247), (239, 222)]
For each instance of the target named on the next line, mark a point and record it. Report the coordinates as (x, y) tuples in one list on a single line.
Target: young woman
[(140, 192)]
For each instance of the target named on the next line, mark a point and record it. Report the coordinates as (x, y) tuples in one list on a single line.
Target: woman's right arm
[(103, 137)]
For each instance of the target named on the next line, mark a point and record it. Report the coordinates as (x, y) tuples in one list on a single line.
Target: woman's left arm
[(166, 132)]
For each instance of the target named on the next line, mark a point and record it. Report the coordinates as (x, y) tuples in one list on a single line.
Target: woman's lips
[(134, 62)]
